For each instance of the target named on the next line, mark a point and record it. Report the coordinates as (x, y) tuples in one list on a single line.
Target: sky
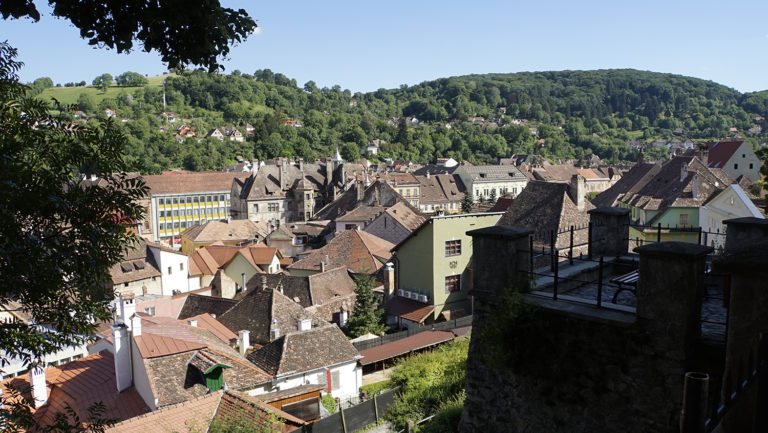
[(365, 45)]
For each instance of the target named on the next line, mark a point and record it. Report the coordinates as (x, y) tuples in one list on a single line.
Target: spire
[(337, 155)]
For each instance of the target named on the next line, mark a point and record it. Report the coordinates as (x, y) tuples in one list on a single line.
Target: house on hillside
[(232, 133), (433, 268)]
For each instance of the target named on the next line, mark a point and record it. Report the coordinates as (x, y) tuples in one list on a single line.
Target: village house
[(231, 232), (734, 157), (288, 191), (732, 202), (483, 181), (394, 223), (440, 193), (320, 355), (433, 268), (357, 250)]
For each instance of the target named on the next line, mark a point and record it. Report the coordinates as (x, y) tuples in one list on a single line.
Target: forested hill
[(479, 118)]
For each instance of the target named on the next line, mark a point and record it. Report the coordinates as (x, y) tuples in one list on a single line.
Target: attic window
[(126, 267), (511, 174), (482, 175), (139, 265)]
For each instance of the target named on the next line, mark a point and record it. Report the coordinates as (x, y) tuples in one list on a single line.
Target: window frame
[(452, 283), (453, 247)]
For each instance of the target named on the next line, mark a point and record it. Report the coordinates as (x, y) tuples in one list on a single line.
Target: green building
[(433, 268)]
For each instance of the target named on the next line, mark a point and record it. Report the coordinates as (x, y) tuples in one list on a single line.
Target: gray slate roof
[(305, 351)]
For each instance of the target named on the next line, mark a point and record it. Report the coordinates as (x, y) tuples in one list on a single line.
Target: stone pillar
[(745, 268), (740, 230), (500, 262), (500, 259), (669, 296), (610, 231)]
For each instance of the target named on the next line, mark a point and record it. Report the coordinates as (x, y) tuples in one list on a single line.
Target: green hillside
[(564, 114)]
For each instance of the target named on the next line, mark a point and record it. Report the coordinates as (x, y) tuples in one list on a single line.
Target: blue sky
[(365, 45)]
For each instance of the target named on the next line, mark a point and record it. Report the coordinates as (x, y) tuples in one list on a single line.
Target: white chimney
[(274, 334), (136, 325), (242, 276), (213, 315), (263, 282), (39, 388), (123, 368), (192, 322), (126, 309), (390, 288), (305, 324), (244, 340), (343, 318)]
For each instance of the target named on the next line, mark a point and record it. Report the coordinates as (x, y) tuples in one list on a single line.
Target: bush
[(329, 403), (447, 417), (374, 388), (429, 380)]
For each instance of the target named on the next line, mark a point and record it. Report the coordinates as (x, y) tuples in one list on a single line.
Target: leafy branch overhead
[(183, 32)]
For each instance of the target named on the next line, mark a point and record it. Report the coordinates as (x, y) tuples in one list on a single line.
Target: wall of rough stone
[(576, 368)]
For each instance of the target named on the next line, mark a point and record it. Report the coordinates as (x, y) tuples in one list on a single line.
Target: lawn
[(69, 95)]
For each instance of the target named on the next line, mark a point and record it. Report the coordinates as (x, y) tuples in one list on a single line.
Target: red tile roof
[(178, 183), (720, 152), (82, 383), (206, 321), (406, 345)]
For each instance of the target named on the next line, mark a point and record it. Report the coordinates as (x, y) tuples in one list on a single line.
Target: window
[(221, 197), (335, 380), (453, 248), (161, 202), (125, 284), (176, 213), (350, 226), (452, 283), (683, 219), (751, 166), (735, 166), (407, 192), (194, 200), (273, 207), (208, 198), (255, 207), (181, 266), (170, 270), (189, 200), (175, 201)]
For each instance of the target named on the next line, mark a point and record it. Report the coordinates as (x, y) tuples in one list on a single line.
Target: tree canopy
[(367, 317)]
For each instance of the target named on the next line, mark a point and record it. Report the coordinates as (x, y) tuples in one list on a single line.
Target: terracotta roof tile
[(350, 249), (196, 413), (720, 152), (408, 309), (199, 304), (192, 182), (206, 321)]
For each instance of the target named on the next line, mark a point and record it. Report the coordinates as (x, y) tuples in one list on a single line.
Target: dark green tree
[(467, 202), (131, 79), (350, 152), (58, 235), (368, 317), (86, 103), (103, 81), (492, 196), (42, 83)]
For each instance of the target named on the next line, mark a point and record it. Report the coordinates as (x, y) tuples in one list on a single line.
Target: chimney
[(577, 191), (242, 277), (360, 190), (264, 282), (126, 308), (390, 288), (123, 368), (322, 266), (192, 322), (343, 315), (136, 325), (213, 315), (305, 324), (244, 340), (274, 334), (39, 387)]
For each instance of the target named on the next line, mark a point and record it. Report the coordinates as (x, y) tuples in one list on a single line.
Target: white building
[(733, 202)]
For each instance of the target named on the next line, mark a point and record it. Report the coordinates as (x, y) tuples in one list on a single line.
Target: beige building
[(483, 181)]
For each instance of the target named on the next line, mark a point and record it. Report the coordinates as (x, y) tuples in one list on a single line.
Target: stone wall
[(541, 366)]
